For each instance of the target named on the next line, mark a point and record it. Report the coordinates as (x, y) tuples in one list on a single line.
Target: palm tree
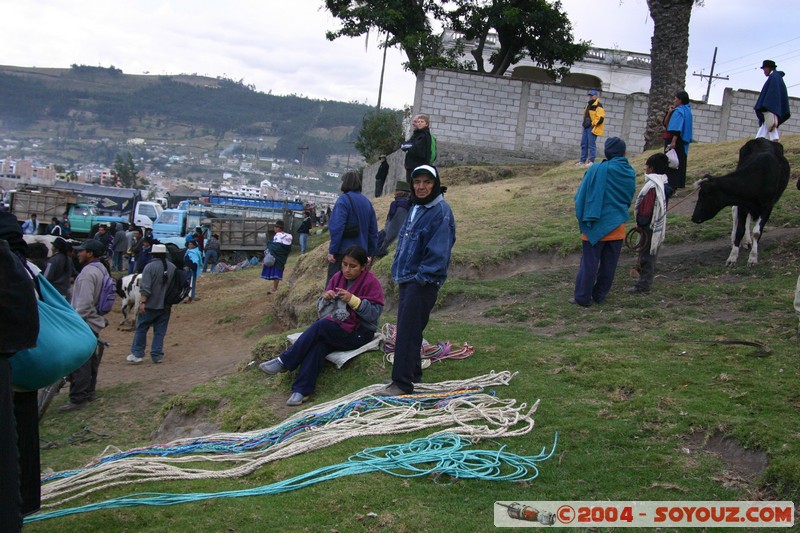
[(669, 53)]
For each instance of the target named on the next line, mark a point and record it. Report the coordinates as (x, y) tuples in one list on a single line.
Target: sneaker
[(133, 359), (589, 163), (273, 366), (573, 302), (579, 164), (157, 360), (73, 406), (296, 399), (637, 290), (391, 390)]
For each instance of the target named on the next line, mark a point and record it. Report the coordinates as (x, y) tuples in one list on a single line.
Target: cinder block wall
[(544, 120), (479, 118)]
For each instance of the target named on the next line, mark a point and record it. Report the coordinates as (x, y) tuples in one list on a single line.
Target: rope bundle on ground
[(445, 454), (461, 406), (429, 352)]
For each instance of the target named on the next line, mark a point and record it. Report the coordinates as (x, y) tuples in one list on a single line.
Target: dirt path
[(205, 339)]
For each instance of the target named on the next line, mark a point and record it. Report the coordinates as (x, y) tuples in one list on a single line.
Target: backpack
[(433, 148), (108, 293), (178, 288)]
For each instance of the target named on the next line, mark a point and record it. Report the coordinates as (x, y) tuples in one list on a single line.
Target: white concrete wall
[(543, 121)]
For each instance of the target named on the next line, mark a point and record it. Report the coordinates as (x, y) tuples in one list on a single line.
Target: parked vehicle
[(243, 226), (85, 211)]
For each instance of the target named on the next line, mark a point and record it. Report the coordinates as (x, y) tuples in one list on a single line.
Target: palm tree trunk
[(669, 53)]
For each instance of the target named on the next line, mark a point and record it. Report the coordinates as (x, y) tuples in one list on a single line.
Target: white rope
[(475, 416)]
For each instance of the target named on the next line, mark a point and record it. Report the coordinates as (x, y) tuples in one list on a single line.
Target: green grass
[(623, 385)]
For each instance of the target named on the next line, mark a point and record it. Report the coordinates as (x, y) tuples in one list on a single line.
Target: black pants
[(677, 176), (413, 311), (26, 413), (10, 501), (83, 381), (647, 262)]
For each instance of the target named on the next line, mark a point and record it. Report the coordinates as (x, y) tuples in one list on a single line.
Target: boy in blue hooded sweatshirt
[(601, 206)]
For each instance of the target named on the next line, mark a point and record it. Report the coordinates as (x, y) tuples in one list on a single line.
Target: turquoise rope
[(265, 439), (444, 454)]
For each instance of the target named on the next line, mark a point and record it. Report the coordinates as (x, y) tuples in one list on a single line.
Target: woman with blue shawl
[(193, 258), (680, 127)]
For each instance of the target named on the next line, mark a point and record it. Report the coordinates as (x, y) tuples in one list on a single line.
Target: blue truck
[(244, 225)]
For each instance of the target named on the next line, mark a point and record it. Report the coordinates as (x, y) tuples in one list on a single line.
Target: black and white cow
[(752, 189), (129, 290)]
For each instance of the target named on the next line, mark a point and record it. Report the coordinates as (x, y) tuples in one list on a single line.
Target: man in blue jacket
[(419, 269), (772, 106), (601, 206)]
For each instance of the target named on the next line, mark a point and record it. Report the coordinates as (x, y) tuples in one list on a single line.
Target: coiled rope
[(445, 454), (429, 352), (461, 406)]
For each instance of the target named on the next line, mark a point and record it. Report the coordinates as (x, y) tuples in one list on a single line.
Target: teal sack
[(64, 343)]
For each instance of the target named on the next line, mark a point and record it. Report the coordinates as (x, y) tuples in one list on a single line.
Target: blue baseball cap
[(593, 92)]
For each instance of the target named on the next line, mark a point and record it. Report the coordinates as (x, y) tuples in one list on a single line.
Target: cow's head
[(709, 200)]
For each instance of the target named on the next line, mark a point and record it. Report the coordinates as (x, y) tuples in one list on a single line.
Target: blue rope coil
[(266, 439), (445, 454)]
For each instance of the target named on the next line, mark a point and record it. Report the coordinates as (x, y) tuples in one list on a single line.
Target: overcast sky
[(280, 47)]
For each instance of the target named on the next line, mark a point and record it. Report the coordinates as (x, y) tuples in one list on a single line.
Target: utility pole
[(303, 150), (711, 76)]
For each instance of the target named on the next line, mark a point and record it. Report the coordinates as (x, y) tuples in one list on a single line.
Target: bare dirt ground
[(205, 339)]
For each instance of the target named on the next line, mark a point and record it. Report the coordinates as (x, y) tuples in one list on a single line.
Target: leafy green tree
[(533, 28), (125, 171), (524, 27), (406, 21), (381, 133), (669, 55)]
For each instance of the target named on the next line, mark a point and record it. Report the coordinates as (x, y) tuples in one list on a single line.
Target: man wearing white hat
[(153, 311)]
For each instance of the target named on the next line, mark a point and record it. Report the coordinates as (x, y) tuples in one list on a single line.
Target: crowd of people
[(350, 307)]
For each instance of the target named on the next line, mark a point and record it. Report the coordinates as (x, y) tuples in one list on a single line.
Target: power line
[(784, 55), (758, 51)]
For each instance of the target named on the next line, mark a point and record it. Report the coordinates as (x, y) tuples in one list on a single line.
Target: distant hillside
[(98, 102)]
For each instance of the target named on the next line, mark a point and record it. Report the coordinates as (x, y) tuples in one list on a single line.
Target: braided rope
[(432, 352), (462, 406), (443, 454)]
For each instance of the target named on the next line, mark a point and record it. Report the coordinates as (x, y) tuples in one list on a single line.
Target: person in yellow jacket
[(593, 122)]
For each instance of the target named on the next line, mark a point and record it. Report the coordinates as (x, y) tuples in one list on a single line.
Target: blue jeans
[(413, 311), (303, 242), (159, 319), (131, 265), (588, 146), (211, 259), (597, 270), (309, 351), (117, 260)]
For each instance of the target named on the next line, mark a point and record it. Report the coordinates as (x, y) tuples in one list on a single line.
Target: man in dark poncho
[(772, 106)]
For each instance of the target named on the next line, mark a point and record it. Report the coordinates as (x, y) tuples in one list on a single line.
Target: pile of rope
[(430, 353), (461, 406), (442, 455)]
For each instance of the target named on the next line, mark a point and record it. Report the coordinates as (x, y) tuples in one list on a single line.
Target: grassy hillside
[(78, 107), (649, 398)]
